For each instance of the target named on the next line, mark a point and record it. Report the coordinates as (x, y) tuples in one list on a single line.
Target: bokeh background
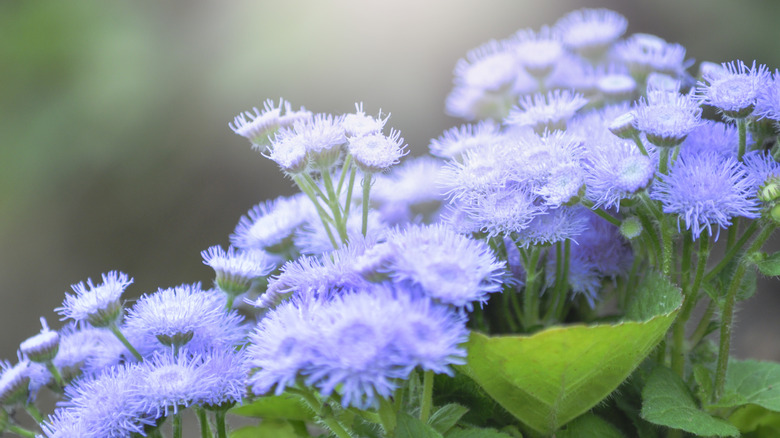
[(115, 151)]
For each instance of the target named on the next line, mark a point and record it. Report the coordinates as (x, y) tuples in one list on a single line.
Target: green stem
[(701, 328), (733, 231), (205, 428), (603, 214), (690, 293), (324, 217), (742, 128), (531, 295), (640, 145), (732, 251), (651, 206), (34, 412), (335, 207), (56, 373), (727, 317), (317, 407), (366, 192), (177, 425), (427, 396), (350, 186), (21, 431), (649, 231), (118, 333), (219, 416), (664, 164), (667, 245), (344, 168), (387, 416)]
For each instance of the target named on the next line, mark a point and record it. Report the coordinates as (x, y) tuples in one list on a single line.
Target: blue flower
[(235, 270), (320, 276), (554, 225), (667, 118), (616, 170), (409, 193), (164, 383), (768, 100), (591, 32), (733, 90), (358, 124), (99, 305), (184, 315), (65, 423), (224, 372), (644, 53), (454, 142), (77, 346), (323, 136), (616, 87), (706, 190), (539, 52), (761, 167), (270, 226), (42, 347), (491, 67), (448, 267), (711, 136), (375, 153), (546, 112), (280, 347), (258, 127), (104, 404), (470, 103), (14, 382), (498, 211), (288, 150)]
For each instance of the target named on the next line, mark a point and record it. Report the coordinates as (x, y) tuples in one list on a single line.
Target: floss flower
[(97, 304), (706, 190)]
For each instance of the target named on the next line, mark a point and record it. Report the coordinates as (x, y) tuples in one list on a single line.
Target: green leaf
[(589, 426), (476, 433), (751, 382), (703, 377), (282, 406), (754, 418), (446, 417), (667, 402), (654, 296), (412, 427), (767, 264), (550, 378), (266, 429)]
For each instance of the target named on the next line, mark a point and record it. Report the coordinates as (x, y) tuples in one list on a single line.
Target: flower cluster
[(587, 166)]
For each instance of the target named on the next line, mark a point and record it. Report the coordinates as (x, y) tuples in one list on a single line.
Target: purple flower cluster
[(582, 151)]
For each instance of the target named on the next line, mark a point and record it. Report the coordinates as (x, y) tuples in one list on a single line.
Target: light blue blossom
[(645, 53), (706, 191), (375, 153), (667, 118), (591, 32), (454, 142), (97, 304), (270, 226), (733, 91), (546, 112), (235, 270), (448, 267), (184, 315)]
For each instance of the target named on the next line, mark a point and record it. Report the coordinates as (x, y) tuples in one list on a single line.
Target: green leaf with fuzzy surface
[(589, 426), (668, 402), (751, 382), (549, 378)]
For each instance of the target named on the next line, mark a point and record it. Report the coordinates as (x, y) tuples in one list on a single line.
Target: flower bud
[(42, 347)]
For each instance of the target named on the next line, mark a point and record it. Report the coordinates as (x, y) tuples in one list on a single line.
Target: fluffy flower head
[(97, 304)]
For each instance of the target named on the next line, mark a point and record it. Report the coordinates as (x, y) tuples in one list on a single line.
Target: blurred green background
[(115, 151)]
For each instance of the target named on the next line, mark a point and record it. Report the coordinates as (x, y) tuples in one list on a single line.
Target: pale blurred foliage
[(114, 146)]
